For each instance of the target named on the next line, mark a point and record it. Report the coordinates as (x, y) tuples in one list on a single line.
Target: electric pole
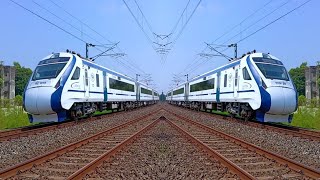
[(87, 49), (235, 49), (137, 75), (187, 77)]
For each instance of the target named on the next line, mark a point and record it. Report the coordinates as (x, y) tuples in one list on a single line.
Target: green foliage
[(1, 82), (12, 114), (307, 118), (298, 77), (22, 77), (302, 100), (18, 100)]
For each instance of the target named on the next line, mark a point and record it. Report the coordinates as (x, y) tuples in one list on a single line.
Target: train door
[(138, 92), (86, 83), (186, 94), (218, 87), (236, 83)]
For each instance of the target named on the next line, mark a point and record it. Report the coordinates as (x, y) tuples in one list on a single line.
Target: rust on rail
[(278, 158)]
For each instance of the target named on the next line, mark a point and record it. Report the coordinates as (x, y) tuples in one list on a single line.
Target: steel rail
[(12, 171), (289, 130), (230, 165), (31, 130), (109, 154), (306, 170)]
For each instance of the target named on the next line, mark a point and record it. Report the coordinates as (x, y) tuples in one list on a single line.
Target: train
[(67, 86), (255, 86)]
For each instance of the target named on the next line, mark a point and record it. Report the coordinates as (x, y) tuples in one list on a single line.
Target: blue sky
[(27, 38)]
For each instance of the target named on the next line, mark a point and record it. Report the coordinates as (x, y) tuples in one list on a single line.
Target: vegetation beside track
[(12, 114)]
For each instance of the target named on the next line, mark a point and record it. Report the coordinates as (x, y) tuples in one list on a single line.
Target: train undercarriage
[(89, 108), (238, 109)]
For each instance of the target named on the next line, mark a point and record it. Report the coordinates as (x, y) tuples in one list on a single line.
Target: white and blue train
[(65, 85), (255, 86)]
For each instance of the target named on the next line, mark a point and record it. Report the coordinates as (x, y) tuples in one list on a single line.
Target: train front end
[(42, 96), (278, 93)]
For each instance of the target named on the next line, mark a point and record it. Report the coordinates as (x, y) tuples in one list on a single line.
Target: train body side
[(80, 85), (241, 87)]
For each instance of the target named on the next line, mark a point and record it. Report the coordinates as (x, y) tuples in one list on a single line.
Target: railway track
[(243, 158), (78, 159), (285, 129), (35, 129)]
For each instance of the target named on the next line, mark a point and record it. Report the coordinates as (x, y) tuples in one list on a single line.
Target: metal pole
[(87, 53), (235, 50)]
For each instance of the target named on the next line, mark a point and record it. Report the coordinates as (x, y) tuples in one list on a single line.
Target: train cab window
[(245, 74), (76, 74), (86, 77), (97, 80), (225, 80)]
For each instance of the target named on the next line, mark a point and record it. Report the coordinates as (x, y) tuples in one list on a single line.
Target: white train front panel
[(257, 79), (62, 80)]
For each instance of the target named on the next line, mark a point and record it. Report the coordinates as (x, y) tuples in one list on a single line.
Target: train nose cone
[(38, 100), (283, 100)]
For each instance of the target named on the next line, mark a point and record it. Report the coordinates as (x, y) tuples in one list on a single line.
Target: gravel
[(298, 149), (21, 149), (161, 153)]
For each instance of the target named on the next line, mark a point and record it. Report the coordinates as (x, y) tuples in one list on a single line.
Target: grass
[(103, 112), (304, 117), (13, 117), (307, 118)]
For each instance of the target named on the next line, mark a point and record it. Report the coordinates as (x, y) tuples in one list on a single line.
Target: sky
[(26, 38)]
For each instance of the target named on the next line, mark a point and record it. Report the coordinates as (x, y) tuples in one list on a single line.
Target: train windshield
[(271, 71), (48, 71)]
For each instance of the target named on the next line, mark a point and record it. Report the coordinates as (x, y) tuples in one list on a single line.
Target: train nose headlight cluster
[(57, 85)]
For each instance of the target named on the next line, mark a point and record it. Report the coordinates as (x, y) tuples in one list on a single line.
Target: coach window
[(86, 77), (97, 80), (76, 74), (245, 74), (225, 80)]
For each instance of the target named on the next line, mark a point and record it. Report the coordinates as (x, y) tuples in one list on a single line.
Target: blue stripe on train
[(56, 96), (265, 96)]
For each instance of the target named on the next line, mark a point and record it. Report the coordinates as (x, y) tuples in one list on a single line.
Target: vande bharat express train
[(255, 86), (65, 85)]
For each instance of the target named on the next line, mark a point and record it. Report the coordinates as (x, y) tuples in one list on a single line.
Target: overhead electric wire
[(140, 26), (80, 20), (66, 22), (185, 24), (104, 37), (245, 19), (255, 12), (144, 17), (275, 20), (177, 23), (48, 21), (259, 20), (183, 27), (32, 12)]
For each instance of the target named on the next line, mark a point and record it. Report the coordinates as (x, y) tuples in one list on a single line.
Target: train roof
[(226, 66), (88, 61)]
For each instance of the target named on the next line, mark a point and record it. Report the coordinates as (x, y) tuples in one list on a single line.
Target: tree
[(298, 77), (22, 77)]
